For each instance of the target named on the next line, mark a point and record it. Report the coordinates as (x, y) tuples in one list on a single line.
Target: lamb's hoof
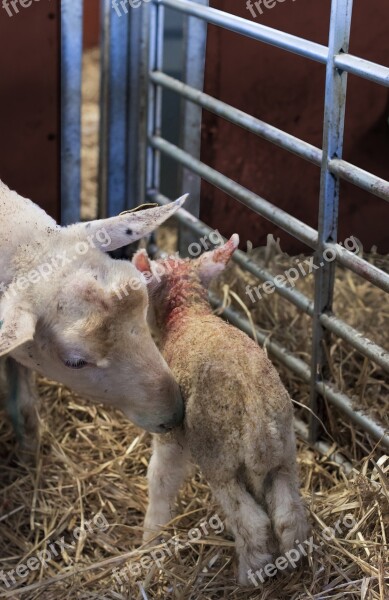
[(152, 537), (228, 530), (27, 451), (292, 531), (250, 566)]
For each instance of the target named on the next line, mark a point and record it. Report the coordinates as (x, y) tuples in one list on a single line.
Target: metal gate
[(132, 145)]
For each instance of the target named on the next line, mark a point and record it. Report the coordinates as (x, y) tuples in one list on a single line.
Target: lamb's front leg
[(168, 467)]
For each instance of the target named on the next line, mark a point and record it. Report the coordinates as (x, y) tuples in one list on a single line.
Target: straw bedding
[(91, 467)]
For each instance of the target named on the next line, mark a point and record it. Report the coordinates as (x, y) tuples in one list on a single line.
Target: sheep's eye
[(76, 364)]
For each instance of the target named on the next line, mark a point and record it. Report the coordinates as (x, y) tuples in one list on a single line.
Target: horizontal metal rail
[(359, 177), (362, 268), (363, 179), (298, 366), (287, 222), (280, 39), (356, 340), (352, 336), (324, 448), (363, 68), (256, 31)]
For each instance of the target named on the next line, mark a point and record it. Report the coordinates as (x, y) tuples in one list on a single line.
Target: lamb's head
[(176, 284), (79, 327)]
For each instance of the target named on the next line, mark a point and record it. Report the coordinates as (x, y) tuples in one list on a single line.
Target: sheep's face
[(95, 338)]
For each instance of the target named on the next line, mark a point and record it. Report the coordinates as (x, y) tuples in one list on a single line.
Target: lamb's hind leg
[(168, 467), (287, 510), (250, 526), (285, 505)]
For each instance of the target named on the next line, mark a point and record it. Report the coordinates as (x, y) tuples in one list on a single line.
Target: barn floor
[(73, 520)]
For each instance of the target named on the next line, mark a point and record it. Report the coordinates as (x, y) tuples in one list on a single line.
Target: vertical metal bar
[(113, 108), (158, 92), (333, 132), (156, 29), (137, 116), (195, 39), (71, 70)]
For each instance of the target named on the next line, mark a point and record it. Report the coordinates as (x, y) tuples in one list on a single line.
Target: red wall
[(29, 102), (91, 23), (30, 98), (287, 91)]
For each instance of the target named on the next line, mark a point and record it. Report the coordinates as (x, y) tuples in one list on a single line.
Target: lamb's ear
[(211, 264), (141, 261), (116, 232), (17, 325)]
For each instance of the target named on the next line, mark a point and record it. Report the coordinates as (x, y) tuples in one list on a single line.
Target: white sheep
[(64, 314)]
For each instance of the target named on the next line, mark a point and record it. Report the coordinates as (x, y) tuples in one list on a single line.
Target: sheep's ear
[(116, 232), (141, 261), (17, 325), (211, 264)]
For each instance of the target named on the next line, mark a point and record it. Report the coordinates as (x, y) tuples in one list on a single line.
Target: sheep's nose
[(177, 418), (165, 427)]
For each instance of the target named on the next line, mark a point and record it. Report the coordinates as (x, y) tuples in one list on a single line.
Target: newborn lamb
[(238, 425)]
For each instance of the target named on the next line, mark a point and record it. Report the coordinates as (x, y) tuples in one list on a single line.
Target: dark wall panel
[(91, 23), (29, 101)]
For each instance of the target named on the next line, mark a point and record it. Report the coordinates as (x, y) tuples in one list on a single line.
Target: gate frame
[(132, 53)]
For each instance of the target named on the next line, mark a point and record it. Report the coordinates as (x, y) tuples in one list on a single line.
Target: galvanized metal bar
[(324, 448), (345, 405), (151, 152), (155, 93), (261, 206), (137, 109), (335, 397), (195, 39), (259, 32), (356, 340), (113, 111), (333, 134), (363, 179), (158, 65), (349, 334), (362, 268), (363, 68), (71, 70), (103, 100)]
